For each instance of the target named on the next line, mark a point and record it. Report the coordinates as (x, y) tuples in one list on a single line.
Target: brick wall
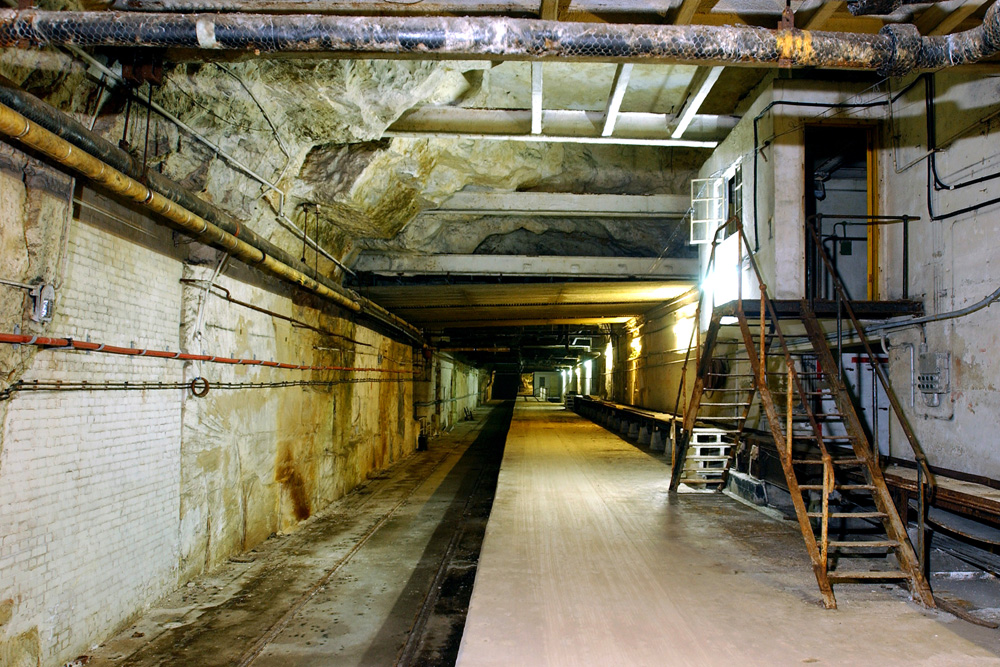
[(88, 492), (108, 499)]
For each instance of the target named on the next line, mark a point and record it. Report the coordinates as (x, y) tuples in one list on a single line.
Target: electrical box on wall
[(43, 297), (933, 379)]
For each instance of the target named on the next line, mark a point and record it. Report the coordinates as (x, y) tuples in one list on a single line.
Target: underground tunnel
[(499, 333)]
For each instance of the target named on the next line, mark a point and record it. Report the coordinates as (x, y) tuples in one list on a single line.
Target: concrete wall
[(444, 389), (108, 499), (553, 382), (953, 264), (952, 261)]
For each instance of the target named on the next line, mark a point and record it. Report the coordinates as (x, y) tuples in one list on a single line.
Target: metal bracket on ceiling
[(787, 22)]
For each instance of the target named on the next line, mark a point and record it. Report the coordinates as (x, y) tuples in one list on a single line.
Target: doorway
[(839, 173)]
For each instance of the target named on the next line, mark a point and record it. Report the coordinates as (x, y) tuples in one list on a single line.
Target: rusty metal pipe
[(895, 50), (32, 134), (90, 346), (68, 128), (17, 127)]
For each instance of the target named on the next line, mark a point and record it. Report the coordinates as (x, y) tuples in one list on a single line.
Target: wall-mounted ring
[(200, 387)]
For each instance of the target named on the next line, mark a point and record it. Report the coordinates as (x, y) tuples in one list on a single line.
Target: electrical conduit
[(33, 135), (88, 346)]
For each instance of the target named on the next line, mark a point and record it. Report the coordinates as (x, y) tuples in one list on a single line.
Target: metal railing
[(819, 282), (844, 308)]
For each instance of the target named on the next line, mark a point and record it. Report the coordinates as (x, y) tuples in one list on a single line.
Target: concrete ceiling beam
[(945, 17), (536, 97), (622, 74), (561, 125), (814, 14), (699, 88), (549, 10), (399, 264), (563, 204)]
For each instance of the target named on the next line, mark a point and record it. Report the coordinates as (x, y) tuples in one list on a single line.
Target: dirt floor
[(588, 560)]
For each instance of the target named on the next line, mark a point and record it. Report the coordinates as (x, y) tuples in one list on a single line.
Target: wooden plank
[(943, 18)]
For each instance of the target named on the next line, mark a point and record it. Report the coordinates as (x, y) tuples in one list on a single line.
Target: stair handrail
[(678, 433), (789, 362), (859, 330), (697, 316)]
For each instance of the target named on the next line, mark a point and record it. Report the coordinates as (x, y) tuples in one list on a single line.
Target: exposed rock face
[(589, 238), (376, 191), (313, 128), (607, 237)]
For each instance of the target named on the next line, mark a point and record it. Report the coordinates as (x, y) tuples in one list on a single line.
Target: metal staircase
[(715, 408), (844, 509)]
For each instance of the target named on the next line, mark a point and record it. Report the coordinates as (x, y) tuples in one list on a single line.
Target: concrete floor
[(394, 558), (589, 561)]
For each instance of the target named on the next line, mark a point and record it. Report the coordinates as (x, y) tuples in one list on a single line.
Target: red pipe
[(70, 344)]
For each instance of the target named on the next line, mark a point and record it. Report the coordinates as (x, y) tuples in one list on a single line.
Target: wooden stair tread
[(836, 462), (849, 576), (863, 544)]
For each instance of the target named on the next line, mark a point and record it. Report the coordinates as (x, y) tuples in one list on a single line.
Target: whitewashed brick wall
[(109, 499), (88, 490)]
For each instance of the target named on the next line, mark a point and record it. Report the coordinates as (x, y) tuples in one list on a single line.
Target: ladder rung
[(724, 405), (731, 375), (820, 415), (869, 544), (848, 515), (826, 438), (836, 462), (707, 458), (848, 576), (699, 480), (838, 487)]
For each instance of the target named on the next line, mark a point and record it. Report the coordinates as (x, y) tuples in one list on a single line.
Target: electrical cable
[(933, 180), (299, 323), (88, 346), (146, 385)]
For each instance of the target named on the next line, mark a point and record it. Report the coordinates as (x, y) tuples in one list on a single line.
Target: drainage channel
[(436, 634), (383, 577)]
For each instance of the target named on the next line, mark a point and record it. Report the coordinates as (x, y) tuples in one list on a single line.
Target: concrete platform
[(589, 561)]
